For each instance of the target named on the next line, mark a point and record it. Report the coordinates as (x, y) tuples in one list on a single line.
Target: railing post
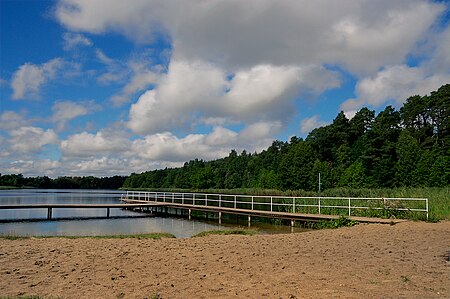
[(426, 206), (220, 200), (349, 207), (206, 199), (49, 213), (252, 202), (182, 198), (293, 205), (271, 200), (193, 199), (164, 196), (319, 205), (235, 201), (173, 197)]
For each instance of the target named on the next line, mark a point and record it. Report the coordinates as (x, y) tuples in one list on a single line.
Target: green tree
[(408, 152)]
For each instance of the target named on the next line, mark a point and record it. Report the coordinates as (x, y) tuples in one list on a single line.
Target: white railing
[(307, 205)]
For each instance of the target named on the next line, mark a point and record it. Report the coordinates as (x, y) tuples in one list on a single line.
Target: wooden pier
[(292, 217), (278, 207), (108, 207)]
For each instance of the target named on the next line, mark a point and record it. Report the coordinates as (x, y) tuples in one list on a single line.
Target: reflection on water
[(180, 227)]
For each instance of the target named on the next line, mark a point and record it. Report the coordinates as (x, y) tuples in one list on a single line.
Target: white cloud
[(34, 167), (398, 82), (11, 120), (91, 145), (111, 152), (114, 69), (31, 139), (260, 131), (186, 88), (201, 91), (217, 144), (137, 71), (310, 123), (142, 77), (29, 78), (64, 111), (362, 35), (394, 83), (74, 40), (266, 92)]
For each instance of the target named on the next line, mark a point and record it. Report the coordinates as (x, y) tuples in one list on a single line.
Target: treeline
[(409, 147), (65, 182)]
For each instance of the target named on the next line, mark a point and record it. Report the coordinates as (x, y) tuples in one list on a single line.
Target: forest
[(405, 148), (65, 182)]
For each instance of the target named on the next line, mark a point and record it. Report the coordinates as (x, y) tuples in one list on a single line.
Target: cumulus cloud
[(31, 139), (29, 78), (142, 76), (395, 83), (137, 72), (90, 145), (11, 120), (199, 90), (168, 147), (34, 167), (281, 32), (74, 40), (112, 152), (64, 111), (310, 123)]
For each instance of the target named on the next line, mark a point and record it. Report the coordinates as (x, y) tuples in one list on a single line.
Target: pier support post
[(49, 213), (220, 217), (249, 221), (190, 212), (292, 223), (107, 212)]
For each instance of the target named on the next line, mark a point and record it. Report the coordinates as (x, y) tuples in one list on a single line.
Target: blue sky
[(104, 87)]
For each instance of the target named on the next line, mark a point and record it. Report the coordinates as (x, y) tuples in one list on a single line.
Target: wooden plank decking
[(267, 214)]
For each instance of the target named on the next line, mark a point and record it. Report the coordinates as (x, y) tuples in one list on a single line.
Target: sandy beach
[(406, 260)]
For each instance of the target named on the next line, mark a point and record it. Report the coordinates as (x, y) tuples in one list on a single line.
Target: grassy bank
[(8, 188)]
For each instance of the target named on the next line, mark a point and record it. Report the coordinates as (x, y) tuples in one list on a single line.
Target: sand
[(406, 260)]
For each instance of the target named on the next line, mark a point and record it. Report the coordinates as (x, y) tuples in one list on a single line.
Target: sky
[(112, 87)]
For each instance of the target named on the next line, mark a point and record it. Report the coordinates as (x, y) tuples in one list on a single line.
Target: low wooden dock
[(108, 207), (292, 217)]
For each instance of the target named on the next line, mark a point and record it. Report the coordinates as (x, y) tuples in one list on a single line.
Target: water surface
[(122, 221)]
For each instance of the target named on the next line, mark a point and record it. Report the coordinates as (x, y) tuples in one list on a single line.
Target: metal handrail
[(273, 201)]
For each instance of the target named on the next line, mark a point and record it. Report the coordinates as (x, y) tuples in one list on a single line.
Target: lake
[(82, 222)]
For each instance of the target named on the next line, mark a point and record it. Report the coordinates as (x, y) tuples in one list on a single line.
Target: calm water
[(128, 222)]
